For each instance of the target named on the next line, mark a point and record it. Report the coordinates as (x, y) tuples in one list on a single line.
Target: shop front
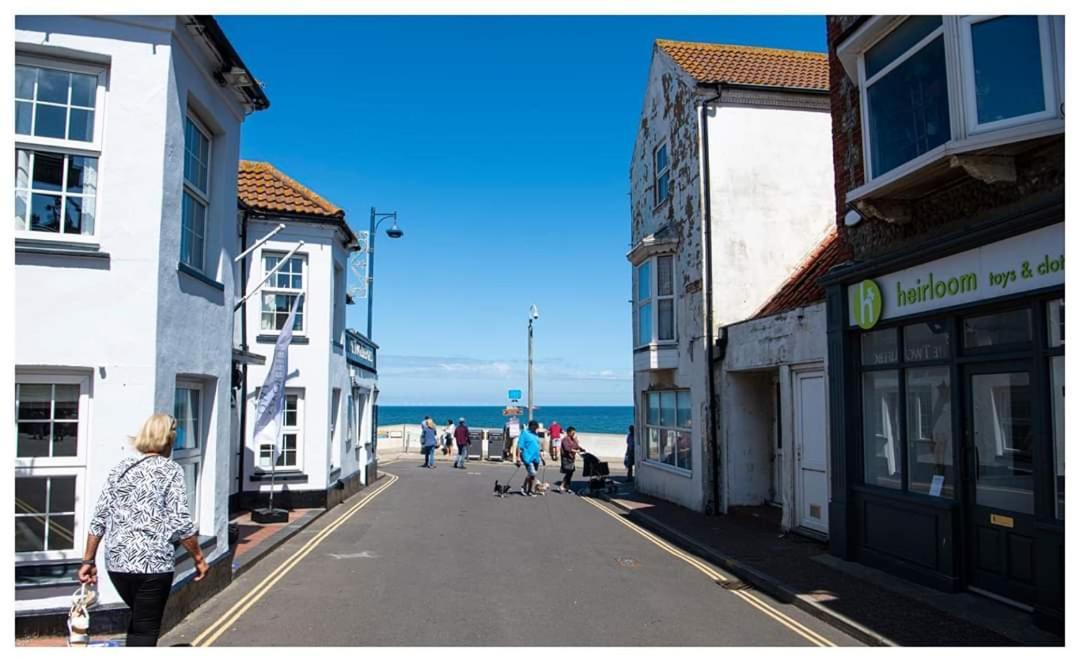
[(947, 368)]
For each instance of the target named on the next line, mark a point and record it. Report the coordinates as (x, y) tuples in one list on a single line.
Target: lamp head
[(394, 232), (534, 312)]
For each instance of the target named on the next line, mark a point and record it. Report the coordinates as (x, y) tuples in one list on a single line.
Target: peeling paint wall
[(793, 336)]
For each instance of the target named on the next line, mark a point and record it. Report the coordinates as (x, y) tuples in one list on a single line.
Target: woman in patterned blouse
[(144, 511)]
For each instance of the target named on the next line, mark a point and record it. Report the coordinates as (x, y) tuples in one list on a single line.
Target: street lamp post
[(394, 232), (534, 314)]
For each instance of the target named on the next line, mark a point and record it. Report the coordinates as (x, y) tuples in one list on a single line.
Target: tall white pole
[(530, 369)]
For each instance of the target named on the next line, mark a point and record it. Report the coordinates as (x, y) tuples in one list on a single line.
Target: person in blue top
[(428, 442), (528, 453)]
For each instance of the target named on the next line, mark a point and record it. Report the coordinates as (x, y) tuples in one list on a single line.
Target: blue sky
[(503, 143)]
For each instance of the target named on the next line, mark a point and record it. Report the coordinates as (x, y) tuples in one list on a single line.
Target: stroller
[(597, 472)]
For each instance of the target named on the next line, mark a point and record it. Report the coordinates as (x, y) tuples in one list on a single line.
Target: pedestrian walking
[(628, 461), (555, 431), (529, 456), (448, 436), (570, 449), (141, 511), (428, 442), (461, 435)]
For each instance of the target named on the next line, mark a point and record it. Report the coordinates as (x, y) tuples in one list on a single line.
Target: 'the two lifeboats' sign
[(1026, 262)]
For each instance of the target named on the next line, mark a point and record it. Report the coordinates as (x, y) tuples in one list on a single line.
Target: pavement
[(431, 558)]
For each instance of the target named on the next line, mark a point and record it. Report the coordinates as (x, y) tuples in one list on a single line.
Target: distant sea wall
[(406, 437)]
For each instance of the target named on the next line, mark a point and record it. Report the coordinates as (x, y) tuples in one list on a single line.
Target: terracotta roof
[(749, 65), (263, 187), (801, 288)]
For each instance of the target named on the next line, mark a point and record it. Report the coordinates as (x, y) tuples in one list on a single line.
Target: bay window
[(57, 146), (196, 198), (667, 429), (655, 301)]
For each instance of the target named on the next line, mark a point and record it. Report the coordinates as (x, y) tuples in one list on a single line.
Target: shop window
[(929, 431), (1055, 323), (928, 341), (881, 428), (668, 425), (879, 347), (1008, 328), (1002, 432), (1057, 405)]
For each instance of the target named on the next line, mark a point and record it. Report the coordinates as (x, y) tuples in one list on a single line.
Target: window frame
[(70, 461), (79, 533), (272, 288), (192, 190), (194, 456), (66, 146), (653, 301), (659, 173), (662, 430), (297, 430)]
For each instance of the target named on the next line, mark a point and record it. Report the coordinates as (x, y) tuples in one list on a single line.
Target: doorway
[(811, 451), (1000, 501)]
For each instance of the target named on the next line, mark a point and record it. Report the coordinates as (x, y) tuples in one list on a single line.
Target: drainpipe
[(708, 289), (244, 367)]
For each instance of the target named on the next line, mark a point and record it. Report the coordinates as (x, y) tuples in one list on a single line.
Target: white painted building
[(325, 444), (127, 140), (731, 183)]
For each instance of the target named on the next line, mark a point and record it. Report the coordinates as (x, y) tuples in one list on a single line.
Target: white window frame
[(658, 173), (66, 146), (46, 467), (967, 60), (663, 429), (194, 456), (271, 288), (297, 430), (197, 194), (965, 134), (653, 300)]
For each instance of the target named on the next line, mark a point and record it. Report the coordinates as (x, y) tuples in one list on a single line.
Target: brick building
[(946, 329)]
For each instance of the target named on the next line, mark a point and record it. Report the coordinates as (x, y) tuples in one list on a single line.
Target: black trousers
[(567, 477), (146, 595)]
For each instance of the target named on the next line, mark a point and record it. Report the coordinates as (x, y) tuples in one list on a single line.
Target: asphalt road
[(435, 559)]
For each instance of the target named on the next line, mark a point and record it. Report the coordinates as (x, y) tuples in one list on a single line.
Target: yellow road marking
[(749, 598), (223, 623)]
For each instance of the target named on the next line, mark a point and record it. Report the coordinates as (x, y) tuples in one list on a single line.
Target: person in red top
[(461, 436), (555, 434)]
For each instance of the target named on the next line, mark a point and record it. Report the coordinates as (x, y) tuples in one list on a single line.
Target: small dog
[(540, 488), (501, 490)]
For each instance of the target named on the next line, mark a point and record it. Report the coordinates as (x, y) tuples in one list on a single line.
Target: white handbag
[(79, 616)]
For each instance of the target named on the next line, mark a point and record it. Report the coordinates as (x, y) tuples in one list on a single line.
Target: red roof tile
[(263, 187), (749, 65), (801, 288)]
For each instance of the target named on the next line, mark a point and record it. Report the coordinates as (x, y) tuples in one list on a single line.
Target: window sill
[(663, 344), (199, 276), (64, 247), (284, 474), (685, 473), (271, 339)]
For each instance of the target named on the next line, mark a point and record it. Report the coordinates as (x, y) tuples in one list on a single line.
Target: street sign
[(514, 394)]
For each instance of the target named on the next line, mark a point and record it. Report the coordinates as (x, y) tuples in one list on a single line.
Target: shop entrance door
[(999, 440)]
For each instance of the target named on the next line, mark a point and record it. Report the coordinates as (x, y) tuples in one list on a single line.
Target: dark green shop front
[(947, 366)]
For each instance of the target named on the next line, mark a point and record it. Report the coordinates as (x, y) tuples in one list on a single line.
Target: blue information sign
[(515, 394)]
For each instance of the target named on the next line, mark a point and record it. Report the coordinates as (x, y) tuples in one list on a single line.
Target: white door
[(811, 439)]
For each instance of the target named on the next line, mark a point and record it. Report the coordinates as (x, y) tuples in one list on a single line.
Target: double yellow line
[(746, 596), (212, 633)]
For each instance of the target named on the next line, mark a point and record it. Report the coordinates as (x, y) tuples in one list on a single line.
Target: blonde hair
[(156, 435)]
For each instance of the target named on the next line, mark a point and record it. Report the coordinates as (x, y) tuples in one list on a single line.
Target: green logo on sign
[(866, 304)]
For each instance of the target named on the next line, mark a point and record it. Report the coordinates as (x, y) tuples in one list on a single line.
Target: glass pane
[(654, 409), (22, 168), (683, 407), (24, 82), (30, 495), (665, 319), (663, 187), (191, 481), (33, 439), (928, 341), (82, 175), (1001, 407), (899, 41), (48, 171), (909, 109), (186, 414), (52, 86), (667, 447), (1057, 405), (644, 281), (684, 455), (62, 494), (290, 411), (29, 534), (83, 90), (652, 450), (661, 158), (61, 532), (65, 439), (50, 121), (1008, 68), (35, 402), (297, 283), (1055, 322), (73, 217), (24, 114), (22, 204), (929, 432), (81, 125), (881, 428), (667, 408), (67, 402), (664, 276), (645, 324), (1010, 328), (879, 347)]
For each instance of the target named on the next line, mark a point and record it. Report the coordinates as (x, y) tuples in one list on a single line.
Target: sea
[(611, 420)]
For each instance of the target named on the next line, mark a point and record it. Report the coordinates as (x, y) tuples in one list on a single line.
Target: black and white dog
[(501, 490)]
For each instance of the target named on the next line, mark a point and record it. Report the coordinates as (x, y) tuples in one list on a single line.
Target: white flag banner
[(271, 405)]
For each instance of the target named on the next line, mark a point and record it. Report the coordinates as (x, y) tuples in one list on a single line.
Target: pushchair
[(598, 474)]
